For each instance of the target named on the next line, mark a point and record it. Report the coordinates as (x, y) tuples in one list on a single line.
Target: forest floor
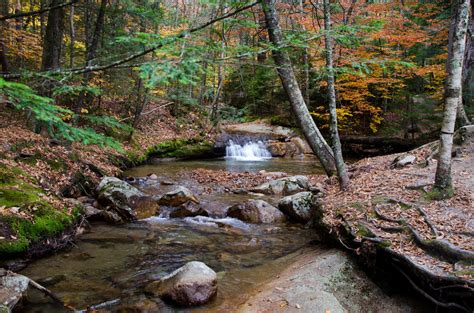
[(384, 199)]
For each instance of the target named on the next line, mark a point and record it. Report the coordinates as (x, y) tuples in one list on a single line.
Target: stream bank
[(221, 179)]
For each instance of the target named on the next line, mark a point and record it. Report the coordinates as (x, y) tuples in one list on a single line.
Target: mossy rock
[(44, 221), (180, 148)]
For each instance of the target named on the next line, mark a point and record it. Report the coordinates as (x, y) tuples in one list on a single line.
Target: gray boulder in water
[(193, 284), (257, 212), (300, 207), (124, 200), (284, 186), (177, 197)]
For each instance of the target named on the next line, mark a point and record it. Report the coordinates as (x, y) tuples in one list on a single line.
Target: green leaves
[(55, 118)]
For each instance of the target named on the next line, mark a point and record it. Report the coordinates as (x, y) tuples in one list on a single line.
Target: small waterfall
[(250, 151)]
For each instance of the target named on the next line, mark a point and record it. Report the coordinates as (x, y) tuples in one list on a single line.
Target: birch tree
[(336, 143), (443, 179), (290, 84)]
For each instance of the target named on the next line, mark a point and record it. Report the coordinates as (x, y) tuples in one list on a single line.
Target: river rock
[(403, 160), (300, 207), (188, 209), (257, 212), (177, 197), (302, 145), (127, 201), (284, 186), (193, 284), (13, 288), (276, 148)]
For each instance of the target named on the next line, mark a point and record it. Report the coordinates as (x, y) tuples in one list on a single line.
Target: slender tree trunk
[(73, 36), (461, 116), (336, 143), (3, 36), (53, 38), (220, 80), (305, 62), (92, 43), (443, 180), (468, 71), (290, 84)]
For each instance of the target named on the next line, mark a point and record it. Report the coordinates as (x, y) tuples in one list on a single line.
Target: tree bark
[(73, 36), (3, 35), (461, 116), (92, 43), (468, 71), (313, 135), (53, 37), (443, 179), (336, 143)]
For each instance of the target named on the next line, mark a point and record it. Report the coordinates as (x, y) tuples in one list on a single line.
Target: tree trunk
[(3, 36), (73, 36), (290, 84), (461, 116), (336, 143), (468, 71), (443, 180), (92, 43), (53, 38)]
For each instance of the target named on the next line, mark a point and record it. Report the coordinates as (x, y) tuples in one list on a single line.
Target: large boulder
[(300, 207), (257, 212), (276, 148), (177, 197), (126, 201), (193, 284), (284, 186), (285, 149), (13, 288)]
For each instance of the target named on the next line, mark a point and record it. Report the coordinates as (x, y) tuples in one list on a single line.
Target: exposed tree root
[(442, 248), (420, 210), (449, 305)]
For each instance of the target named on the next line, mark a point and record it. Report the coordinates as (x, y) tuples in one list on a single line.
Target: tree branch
[(24, 14)]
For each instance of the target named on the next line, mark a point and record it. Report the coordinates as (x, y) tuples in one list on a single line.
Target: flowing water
[(115, 263), (249, 151)]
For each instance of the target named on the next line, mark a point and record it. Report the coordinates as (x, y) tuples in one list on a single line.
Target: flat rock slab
[(323, 280)]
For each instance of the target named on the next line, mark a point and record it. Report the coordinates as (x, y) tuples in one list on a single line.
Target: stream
[(114, 263)]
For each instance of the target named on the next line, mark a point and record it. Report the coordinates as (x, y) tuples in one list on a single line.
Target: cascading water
[(250, 151)]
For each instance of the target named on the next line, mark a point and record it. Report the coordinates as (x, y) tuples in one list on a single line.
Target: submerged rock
[(300, 207), (13, 288), (283, 186), (193, 284), (177, 197), (126, 201), (257, 212)]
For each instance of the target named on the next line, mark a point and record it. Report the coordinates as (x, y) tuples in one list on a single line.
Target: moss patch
[(32, 218), (439, 194), (180, 149)]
